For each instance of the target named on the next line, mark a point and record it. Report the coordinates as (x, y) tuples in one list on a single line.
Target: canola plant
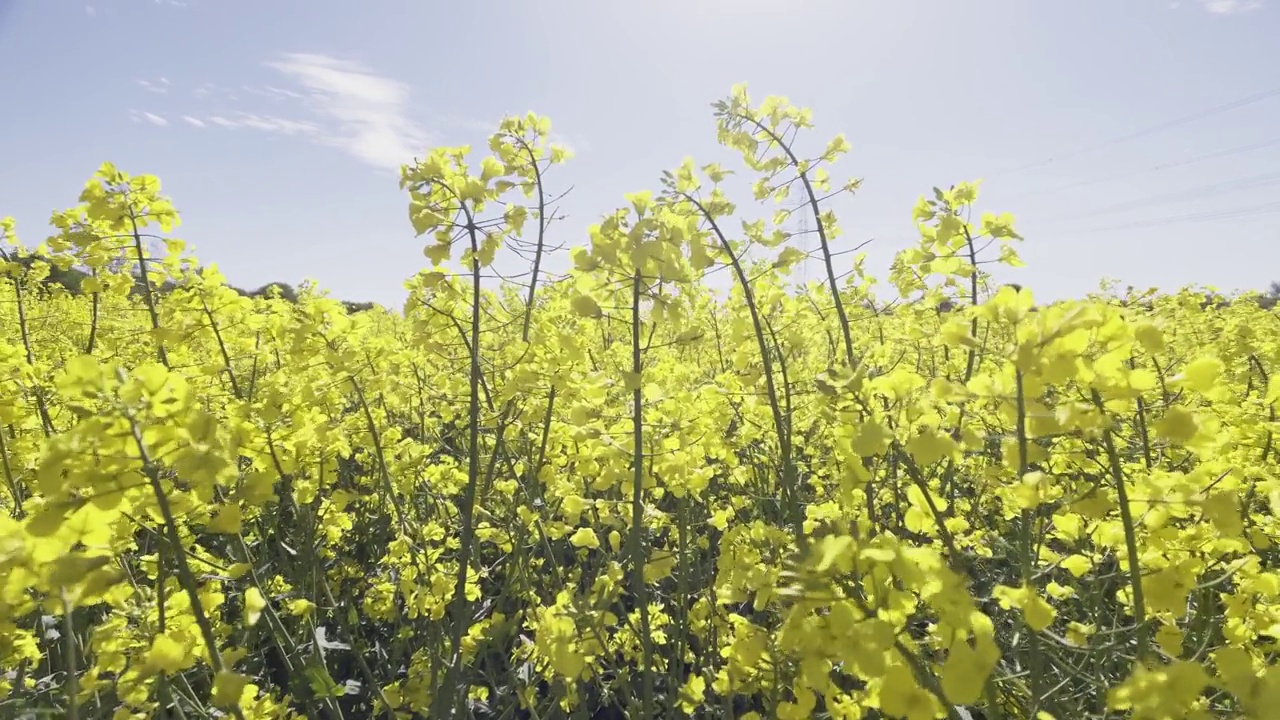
[(617, 492)]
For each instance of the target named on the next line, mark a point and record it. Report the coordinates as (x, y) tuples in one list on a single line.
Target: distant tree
[(1271, 297), (277, 289), (69, 278)]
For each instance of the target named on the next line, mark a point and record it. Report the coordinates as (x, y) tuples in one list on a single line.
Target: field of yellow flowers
[(618, 493)]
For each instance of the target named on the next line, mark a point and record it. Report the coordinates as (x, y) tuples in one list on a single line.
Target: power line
[(1161, 127), (1228, 152), (1210, 189), (1247, 211)]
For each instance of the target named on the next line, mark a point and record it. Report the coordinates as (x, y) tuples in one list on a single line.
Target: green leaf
[(438, 253), (788, 257), (586, 306)]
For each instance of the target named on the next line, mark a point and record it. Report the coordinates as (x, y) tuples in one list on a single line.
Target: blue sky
[(276, 125)]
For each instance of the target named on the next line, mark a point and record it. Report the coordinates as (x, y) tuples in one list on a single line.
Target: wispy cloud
[(1230, 7), (160, 85), (267, 123), (363, 113), (209, 90), (273, 92), (147, 117), (328, 101)]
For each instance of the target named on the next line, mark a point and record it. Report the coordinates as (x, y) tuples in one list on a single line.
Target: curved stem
[(822, 234), (781, 421)]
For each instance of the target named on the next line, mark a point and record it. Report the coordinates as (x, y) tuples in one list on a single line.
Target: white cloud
[(363, 113), (274, 93), (327, 101), (90, 10), (285, 93), (208, 90), (1230, 7), (147, 117), (160, 85), (268, 123)]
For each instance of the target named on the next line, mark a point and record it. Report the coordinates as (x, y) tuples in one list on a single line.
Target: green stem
[(466, 506), (1027, 567), (638, 589), (1130, 534), (185, 576), (69, 650)]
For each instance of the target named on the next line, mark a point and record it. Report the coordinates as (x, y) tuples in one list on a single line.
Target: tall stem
[(637, 506), (147, 295), (466, 507), (542, 231), (1027, 567), (781, 421), (1130, 533), (812, 197), (970, 363)]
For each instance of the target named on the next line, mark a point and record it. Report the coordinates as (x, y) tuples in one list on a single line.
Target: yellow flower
[(585, 538)]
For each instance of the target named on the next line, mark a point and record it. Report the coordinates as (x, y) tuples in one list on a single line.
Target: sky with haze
[(1132, 139)]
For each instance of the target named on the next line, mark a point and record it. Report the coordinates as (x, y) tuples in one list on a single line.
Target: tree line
[(72, 278)]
